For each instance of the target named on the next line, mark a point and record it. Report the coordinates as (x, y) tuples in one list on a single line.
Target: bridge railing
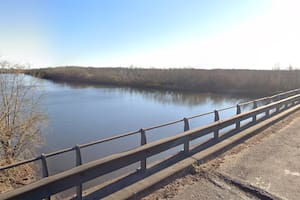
[(275, 102), (78, 175)]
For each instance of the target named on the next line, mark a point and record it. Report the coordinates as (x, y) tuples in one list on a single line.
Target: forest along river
[(80, 114)]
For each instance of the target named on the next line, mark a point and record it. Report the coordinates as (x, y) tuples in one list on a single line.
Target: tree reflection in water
[(169, 96)]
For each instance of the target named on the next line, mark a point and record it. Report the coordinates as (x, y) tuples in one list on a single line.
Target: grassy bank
[(219, 81)]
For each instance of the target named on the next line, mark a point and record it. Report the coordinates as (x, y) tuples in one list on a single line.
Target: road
[(266, 166)]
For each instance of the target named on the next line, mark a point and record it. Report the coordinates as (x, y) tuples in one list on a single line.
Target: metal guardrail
[(38, 188)]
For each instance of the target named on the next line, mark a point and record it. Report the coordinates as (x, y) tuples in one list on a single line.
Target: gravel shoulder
[(266, 166)]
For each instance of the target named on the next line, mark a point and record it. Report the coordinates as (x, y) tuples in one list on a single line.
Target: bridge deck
[(266, 166)]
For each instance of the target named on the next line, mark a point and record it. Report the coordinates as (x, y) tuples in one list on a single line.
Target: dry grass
[(17, 177)]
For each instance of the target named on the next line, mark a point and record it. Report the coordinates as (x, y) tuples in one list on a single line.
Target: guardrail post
[(44, 166), (286, 105), (187, 141), (268, 113), (254, 104), (78, 162), (238, 111), (186, 124), (143, 142), (278, 107), (254, 107), (45, 169), (217, 118), (269, 100)]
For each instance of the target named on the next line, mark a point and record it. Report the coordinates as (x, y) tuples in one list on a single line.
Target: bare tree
[(21, 117)]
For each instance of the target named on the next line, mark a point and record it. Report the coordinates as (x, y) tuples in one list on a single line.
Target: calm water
[(81, 114)]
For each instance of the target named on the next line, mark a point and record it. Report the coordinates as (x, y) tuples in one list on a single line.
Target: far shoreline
[(220, 81)]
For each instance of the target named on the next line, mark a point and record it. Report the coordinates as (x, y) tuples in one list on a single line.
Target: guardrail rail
[(75, 177)]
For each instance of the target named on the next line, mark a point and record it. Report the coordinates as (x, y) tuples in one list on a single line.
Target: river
[(79, 114)]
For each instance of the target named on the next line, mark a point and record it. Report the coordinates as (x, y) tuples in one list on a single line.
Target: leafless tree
[(21, 116)]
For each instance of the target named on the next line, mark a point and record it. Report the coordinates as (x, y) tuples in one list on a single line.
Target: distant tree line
[(256, 82)]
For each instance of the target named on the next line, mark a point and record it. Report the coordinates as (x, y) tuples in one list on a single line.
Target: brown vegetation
[(219, 81), (17, 176), (20, 124)]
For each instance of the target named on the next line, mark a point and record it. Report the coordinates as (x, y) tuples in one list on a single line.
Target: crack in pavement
[(243, 186)]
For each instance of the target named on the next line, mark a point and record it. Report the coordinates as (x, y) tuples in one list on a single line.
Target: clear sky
[(151, 33)]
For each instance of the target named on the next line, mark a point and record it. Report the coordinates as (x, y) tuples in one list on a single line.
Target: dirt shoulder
[(266, 166)]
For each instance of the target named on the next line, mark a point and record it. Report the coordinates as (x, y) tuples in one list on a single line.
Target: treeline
[(218, 81)]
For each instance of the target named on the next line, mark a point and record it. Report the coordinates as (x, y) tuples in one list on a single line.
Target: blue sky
[(150, 33)]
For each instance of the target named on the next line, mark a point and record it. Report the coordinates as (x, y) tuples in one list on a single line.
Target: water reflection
[(83, 113), (164, 96), (183, 98)]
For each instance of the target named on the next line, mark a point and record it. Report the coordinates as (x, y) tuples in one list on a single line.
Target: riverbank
[(249, 82)]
